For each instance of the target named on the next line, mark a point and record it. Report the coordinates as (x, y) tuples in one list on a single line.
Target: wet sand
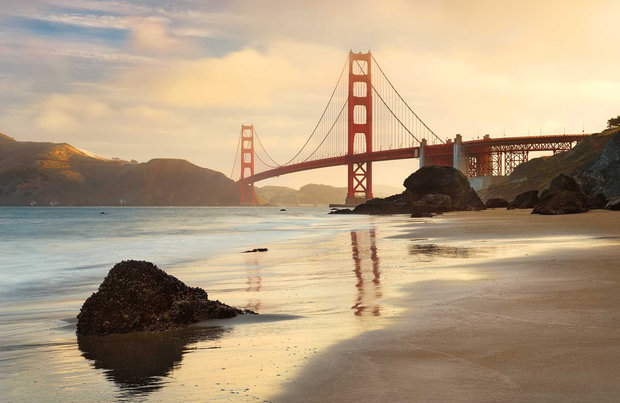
[(538, 319)]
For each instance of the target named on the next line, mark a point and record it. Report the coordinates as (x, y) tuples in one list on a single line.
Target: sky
[(145, 79)]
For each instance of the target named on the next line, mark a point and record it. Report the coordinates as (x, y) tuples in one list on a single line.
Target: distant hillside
[(313, 194), (538, 172), (46, 173)]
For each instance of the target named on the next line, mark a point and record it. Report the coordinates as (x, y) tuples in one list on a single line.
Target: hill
[(43, 173), (313, 194), (590, 155)]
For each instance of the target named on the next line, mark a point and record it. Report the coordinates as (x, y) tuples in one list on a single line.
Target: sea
[(324, 279)]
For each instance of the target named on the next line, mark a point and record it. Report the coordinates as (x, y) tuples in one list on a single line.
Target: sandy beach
[(493, 305), (538, 319)]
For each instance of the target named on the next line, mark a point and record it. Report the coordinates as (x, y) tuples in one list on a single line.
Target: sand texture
[(540, 322)]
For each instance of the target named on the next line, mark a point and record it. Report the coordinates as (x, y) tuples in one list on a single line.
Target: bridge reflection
[(254, 284), (366, 266)]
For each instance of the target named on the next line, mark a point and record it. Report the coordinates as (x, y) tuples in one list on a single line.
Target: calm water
[(324, 279)]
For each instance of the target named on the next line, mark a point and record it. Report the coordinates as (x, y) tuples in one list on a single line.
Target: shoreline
[(541, 326)]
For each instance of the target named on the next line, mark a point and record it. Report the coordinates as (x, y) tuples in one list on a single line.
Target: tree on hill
[(613, 122)]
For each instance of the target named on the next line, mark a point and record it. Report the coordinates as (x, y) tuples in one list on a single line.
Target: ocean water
[(324, 279), (46, 252)]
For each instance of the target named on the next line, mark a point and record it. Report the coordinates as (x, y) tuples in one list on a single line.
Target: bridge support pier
[(248, 197), (359, 127)]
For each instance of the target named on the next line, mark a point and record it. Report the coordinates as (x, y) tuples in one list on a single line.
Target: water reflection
[(139, 362), (432, 250), (254, 283), (366, 262)]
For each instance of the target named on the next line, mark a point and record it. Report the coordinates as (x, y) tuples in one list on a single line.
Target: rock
[(524, 200), (256, 250), (562, 202), (341, 211), (496, 202), (434, 202), (419, 214), (138, 296), (613, 204), (563, 183), (473, 202), (282, 209), (597, 201), (602, 174), (439, 180), (431, 189), (395, 204)]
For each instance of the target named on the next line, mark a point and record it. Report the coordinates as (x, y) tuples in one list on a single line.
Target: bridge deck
[(533, 143)]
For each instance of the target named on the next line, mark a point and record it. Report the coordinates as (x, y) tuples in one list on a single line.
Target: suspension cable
[(263, 148), (323, 114), (266, 164), (401, 98), (329, 131), (386, 105), (232, 171)]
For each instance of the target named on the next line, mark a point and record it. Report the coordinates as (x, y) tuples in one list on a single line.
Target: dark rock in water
[(138, 296), (614, 204), (282, 209), (443, 180), (597, 201), (603, 173), (496, 202), (256, 250), (419, 214), (561, 202), (341, 211), (563, 183), (524, 200), (473, 202)]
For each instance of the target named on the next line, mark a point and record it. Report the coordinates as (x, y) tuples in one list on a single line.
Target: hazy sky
[(153, 78)]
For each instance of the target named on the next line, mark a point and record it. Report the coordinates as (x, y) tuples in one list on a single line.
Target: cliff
[(589, 155), (313, 194), (45, 173)]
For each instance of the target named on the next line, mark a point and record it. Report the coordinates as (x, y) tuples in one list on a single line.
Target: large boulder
[(563, 183), (562, 202), (473, 201), (597, 201), (496, 202), (396, 204), (429, 190), (524, 200), (430, 204), (138, 296), (440, 180)]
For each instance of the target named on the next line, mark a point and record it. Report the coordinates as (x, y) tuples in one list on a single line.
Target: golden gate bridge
[(367, 120)]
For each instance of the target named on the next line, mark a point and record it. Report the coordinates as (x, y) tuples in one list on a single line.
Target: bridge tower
[(247, 164), (359, 125)]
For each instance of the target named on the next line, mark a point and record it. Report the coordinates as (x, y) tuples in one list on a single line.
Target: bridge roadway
[(529, 143)]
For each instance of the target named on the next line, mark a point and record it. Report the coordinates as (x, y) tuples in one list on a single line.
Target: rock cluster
[(563, 196), (429, 190), (138, 296)]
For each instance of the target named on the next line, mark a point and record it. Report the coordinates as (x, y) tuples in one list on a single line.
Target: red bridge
[(367, 120)]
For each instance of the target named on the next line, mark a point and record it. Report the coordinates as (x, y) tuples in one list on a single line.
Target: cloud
[(186, 74)]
